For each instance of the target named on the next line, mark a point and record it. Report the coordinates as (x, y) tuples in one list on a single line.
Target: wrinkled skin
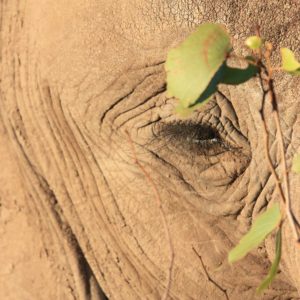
[(78, 215)]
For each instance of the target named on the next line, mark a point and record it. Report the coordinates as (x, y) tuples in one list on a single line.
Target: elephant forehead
[(92, 43), (95, 34)]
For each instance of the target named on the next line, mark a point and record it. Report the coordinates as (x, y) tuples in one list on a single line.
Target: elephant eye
[(201, 139)]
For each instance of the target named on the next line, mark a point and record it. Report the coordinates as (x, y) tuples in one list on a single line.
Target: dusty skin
[(77, 214)]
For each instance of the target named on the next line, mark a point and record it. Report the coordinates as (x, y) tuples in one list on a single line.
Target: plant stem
[(288, 207), (267, 152), (285, 197)]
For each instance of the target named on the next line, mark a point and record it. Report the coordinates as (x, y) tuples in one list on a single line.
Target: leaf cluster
[(194, 70)]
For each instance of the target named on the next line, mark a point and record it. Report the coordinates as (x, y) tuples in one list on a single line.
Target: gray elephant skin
[(79, 218)]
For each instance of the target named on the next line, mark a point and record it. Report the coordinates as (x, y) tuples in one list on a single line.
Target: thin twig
[(267, 149), (208, 276), (288, 207), (267, 152), (294, 225), (285, 197), (162, 213)]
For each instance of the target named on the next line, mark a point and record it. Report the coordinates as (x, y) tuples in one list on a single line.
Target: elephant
[(105, 192)]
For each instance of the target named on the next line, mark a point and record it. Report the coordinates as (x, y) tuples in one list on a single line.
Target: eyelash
[(201, 139)]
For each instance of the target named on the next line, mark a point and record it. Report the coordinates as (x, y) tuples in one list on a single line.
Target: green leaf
[(204, 97), (236, 76), (253, 42), (225, 75), (261, 227), (211, 88), (192, 65), (289, 62), (274, 267), (296, 163)]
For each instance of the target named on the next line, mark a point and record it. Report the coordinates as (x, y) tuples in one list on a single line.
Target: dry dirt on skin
[(26, 272)]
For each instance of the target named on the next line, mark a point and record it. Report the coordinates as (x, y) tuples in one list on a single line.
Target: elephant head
[(95, 148)]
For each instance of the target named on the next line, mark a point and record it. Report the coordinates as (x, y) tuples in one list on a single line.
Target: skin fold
[(78, 216)]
